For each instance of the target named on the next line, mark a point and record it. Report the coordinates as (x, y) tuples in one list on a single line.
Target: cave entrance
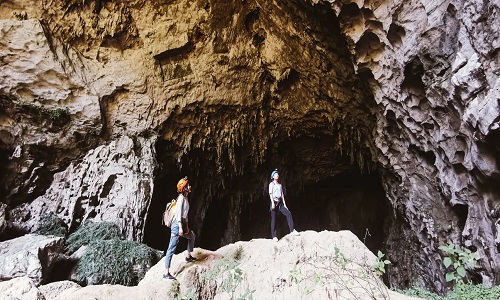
[(323, 191)]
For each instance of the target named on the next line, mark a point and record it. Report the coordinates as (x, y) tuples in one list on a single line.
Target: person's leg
[(289, 218), (191, 237), (273, 222), (174, 239)]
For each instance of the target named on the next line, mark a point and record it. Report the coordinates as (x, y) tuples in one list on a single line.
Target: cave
[(323, 189), (319, 143)]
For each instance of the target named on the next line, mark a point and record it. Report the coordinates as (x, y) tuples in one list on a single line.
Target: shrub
[(460, 292), (51, 224), (421, 293), (458, 259), (89, 232), (115, 261), (474, 292)]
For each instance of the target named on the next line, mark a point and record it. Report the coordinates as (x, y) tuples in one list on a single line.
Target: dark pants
[(284, 212)]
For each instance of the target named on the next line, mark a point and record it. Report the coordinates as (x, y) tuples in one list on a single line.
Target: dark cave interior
[(226, 209)]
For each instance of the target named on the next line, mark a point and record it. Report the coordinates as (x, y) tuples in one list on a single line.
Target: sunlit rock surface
[(382, 116), (32, 256)]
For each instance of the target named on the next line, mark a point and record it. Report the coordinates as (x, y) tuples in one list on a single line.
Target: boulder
[(52, 290), (21, 288), (29, 256)]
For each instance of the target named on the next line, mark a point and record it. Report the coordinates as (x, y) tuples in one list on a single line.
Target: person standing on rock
[(180, 226), (278, 204)]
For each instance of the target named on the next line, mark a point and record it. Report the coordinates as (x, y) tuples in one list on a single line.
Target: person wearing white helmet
[(278, 203)]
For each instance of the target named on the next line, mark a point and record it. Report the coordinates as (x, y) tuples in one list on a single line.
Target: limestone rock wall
[(113, 182), (433, 69)]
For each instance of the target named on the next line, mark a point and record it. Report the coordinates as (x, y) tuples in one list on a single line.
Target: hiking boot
[(275, 239), (191, 259), (169, 276)]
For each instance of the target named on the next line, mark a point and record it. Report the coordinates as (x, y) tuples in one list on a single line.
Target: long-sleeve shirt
[(181, 208)]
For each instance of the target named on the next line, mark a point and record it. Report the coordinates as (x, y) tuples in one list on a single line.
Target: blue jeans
[(174, 239)]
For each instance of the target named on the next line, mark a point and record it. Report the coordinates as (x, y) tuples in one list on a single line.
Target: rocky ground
[(310, 265)]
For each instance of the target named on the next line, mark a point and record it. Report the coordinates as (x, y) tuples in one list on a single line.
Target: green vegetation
[(460, 292), (380, 264), (89, 232), (349, 276), (457, 260), (55, 114), (232, 276), (51, 224), (115, 261), (108, 258)]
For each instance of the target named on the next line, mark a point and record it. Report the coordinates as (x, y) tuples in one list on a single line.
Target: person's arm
[(178, 215), (283, 197), (271, 195), (186, 220)]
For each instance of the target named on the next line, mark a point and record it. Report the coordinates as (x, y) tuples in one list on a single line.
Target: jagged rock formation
[(125, 166), (105, 104), (31, 255)]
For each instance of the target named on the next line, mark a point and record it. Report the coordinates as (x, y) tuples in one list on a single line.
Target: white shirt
[(275, 190), (181, 208)]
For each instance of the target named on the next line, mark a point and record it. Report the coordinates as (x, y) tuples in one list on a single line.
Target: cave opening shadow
[(212, 234), (156, 235), (348, 201)]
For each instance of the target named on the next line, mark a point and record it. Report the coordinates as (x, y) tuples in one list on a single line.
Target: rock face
[(433, 68), (3, 221), (31, 255), (113, 182), (104, 105)]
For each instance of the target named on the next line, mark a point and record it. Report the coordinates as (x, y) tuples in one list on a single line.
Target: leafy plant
[(460, 292), (459, 259), (380, 263), (115, 261), (55, 113), (348, 275), (90, 231), (474, 292), (51, 224), (189, 295), (421, 293), (232, 276)]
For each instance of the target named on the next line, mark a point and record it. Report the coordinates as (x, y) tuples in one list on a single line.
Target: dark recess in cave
[(461, 211), (350, 200)]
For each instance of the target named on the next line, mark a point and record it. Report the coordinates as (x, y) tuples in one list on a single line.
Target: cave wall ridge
[(433, 68)]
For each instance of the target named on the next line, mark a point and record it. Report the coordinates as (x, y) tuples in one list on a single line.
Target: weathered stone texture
[(30, 255), (412, 86), (433, 68), (112, 183), (267, 267)]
